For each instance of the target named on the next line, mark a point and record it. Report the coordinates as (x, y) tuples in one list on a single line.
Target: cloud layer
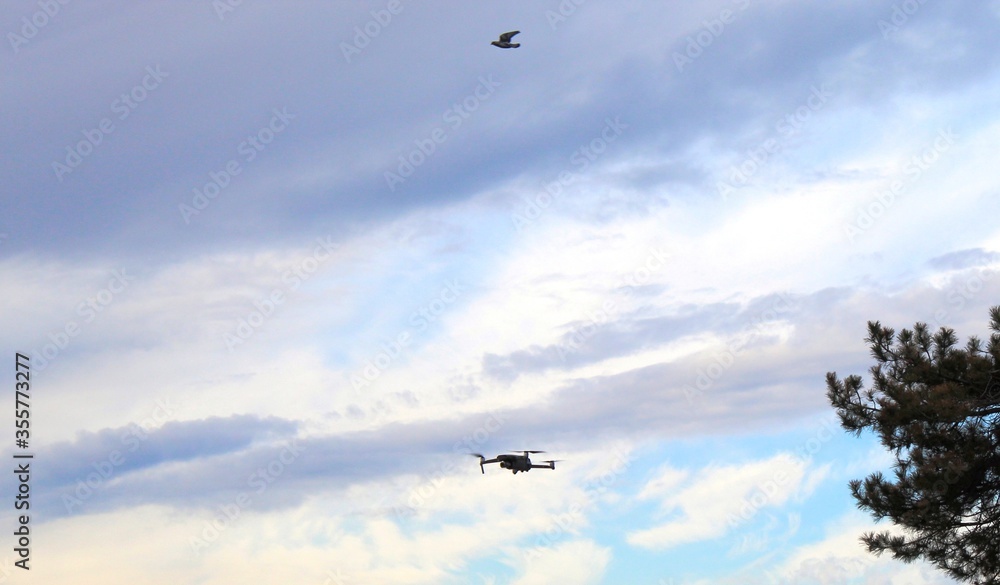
[(280, 268)]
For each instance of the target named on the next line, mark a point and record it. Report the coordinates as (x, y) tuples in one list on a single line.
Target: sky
[(279, 267)]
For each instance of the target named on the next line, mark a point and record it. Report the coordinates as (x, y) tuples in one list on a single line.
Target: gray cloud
[(324, 174), (353, 120), (142, 448), (761, 382), (962, 259), (588, 341)]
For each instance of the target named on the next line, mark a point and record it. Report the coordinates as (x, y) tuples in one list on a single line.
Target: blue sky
[(280, 266)]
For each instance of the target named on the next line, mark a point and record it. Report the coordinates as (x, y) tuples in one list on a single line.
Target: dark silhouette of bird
[(504, 42)]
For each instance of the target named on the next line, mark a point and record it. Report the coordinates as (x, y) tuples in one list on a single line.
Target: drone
[(515, 463)]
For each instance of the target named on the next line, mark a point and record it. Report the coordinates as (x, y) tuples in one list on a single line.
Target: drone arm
[(551, 464), (483, 461)]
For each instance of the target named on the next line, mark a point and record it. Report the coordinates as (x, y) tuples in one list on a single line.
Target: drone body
[(515, 463)]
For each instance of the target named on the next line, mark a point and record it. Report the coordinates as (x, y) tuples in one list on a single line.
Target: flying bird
[(504, 42)]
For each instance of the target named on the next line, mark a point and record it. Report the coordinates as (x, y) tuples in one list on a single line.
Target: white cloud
[(663, 484), (717, 498), (470, 518), (841, 558), (162, 339), (578, 562)]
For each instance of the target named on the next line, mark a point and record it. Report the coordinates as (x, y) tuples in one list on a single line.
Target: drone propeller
[(552, 462), (481, 459), (522, 451)]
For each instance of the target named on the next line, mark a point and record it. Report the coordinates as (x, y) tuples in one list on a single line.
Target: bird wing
[(507, 36)]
